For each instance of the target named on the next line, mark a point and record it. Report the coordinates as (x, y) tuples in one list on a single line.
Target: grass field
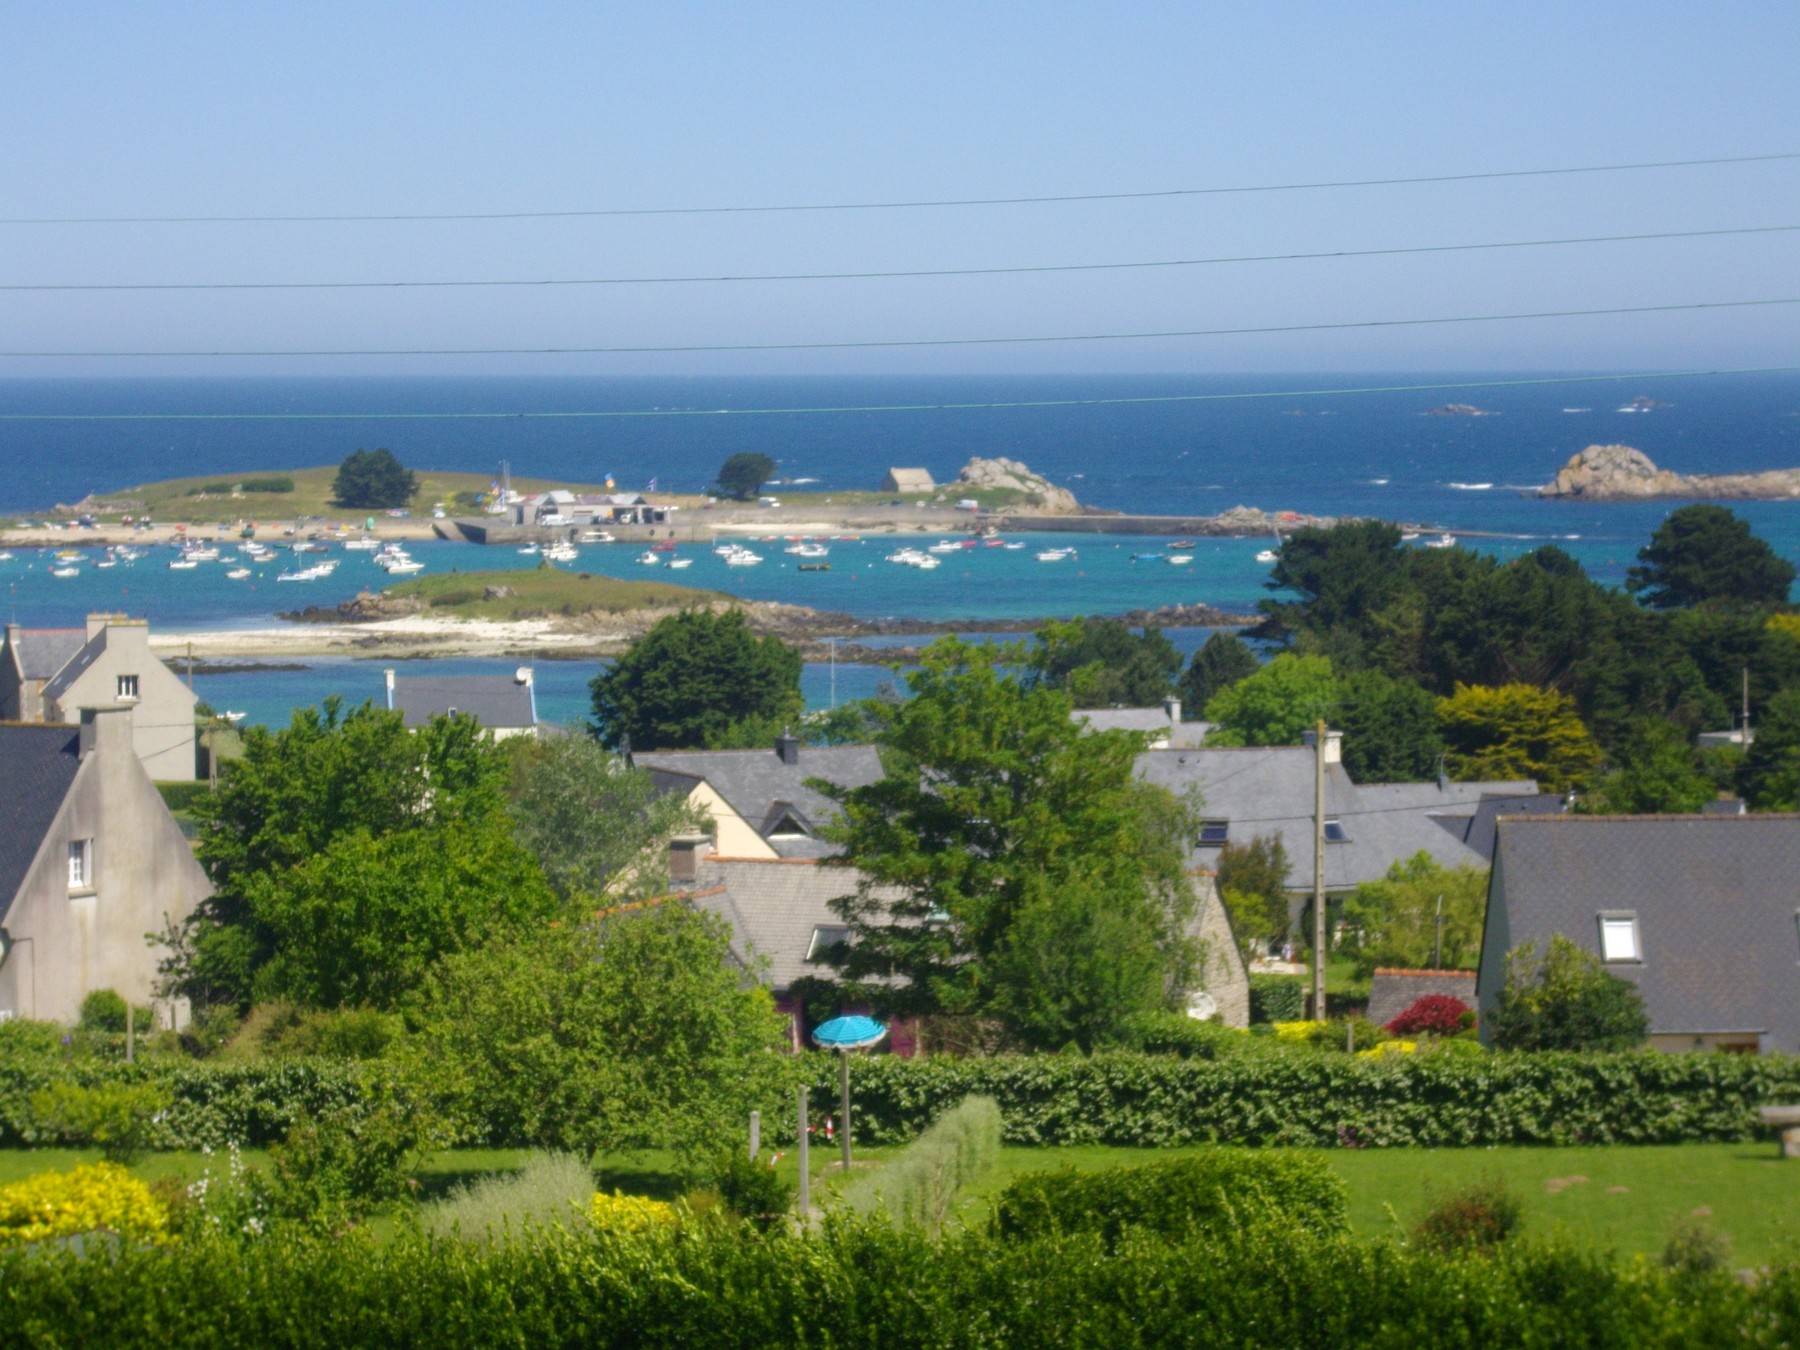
[(542, 592), (1622, 1199)]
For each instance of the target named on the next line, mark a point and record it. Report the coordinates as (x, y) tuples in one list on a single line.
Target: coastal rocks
[(366, 607), (1010, 475), (1622, 473), (497, 592), (1457, 410)]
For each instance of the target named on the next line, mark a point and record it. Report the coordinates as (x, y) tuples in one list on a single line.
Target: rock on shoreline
[(1621, 473)]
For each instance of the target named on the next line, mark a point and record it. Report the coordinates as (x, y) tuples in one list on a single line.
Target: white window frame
[(81, 864), (128, 689), (1614, 918)]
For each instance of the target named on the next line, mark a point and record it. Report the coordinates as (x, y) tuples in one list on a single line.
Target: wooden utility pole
[(1318, 942)]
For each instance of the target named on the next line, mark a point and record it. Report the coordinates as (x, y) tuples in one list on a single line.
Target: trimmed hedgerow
[(1277, 998)]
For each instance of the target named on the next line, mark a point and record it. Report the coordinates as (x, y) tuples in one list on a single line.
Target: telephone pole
[(1318, 980)]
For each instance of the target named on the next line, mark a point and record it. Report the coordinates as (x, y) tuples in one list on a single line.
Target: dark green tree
[(1706, 555), (1394, 921), (373, 480), (1657, 772), (1223, 660), (1565, 999), (1770, 775), (1011, 865), (698, 679), (1343, 574), (741, 477), (1103, 664), (1390, 729)]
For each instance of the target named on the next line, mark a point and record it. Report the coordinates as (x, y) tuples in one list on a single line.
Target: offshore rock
[(1009, 474), (1622, 473)]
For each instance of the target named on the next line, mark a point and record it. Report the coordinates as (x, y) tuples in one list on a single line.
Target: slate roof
[(76, 666), (1153, 720), (1715, 899), (497, 701), (44, 651), (1477, 831), (1393, 991), (778, 911), (37, 764), (754, 781), (1269, 791)]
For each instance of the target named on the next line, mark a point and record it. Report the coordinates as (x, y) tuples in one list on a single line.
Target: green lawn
[(1624, 1199), (543, 591)]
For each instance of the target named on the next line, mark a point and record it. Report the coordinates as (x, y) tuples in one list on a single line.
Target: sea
[(1331, 444)]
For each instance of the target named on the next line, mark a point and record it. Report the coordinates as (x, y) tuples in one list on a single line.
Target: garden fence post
[(755, 1134), (803, 1152)]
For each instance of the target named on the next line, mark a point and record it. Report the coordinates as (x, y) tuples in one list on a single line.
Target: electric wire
[(929, 203), (890, 274)]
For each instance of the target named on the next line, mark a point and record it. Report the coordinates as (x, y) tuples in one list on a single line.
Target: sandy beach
[(414, 636)]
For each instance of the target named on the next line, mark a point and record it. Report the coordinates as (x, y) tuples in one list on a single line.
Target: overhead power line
[(892, 273), (992, 405), (920, 204), (896, 343)]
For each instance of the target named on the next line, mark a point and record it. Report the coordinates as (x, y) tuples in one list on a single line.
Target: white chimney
[(1172, 709), (1334, 744)]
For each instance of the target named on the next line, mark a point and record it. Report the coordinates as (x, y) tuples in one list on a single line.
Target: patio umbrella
[(844, 1034)]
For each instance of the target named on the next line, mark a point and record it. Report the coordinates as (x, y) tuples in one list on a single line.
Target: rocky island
[(1622, 473)]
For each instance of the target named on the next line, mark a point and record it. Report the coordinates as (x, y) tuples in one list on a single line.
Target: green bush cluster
[(862, 1284), (1307, 1100), (917, 1188), (1277, 998), (1219, 1192), (751, 1189), (116, 1118)]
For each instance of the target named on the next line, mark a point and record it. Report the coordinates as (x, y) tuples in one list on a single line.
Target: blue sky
[(196, 109)]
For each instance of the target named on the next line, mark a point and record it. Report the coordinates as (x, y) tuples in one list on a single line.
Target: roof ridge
[(1568, 818)]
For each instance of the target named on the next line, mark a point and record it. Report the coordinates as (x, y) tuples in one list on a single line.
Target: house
[(108, 664), (90, 862), (1268, 791), (759, 801), (1392, 991), (562, 507), (1161, 725), (1699, 912), (908, 480), (505, 705)]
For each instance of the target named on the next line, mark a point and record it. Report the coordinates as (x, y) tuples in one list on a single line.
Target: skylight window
[(1214, 832), (1335, 832), (1619, 938), (824, 938)]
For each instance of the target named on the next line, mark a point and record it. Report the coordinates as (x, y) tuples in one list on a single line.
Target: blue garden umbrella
[(844, 1034)]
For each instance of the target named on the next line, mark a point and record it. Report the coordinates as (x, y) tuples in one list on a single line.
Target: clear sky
[(369, 108)]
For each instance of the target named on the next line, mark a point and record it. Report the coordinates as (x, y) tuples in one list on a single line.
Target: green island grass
[(542, 592), (1625, 1200)]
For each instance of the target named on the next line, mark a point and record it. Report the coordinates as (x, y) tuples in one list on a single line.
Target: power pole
[(1437, 940), (1746, 732), (1318, 982)]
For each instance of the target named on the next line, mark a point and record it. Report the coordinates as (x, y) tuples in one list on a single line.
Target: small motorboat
[(1268, 555), (1179, 543), (65, 571), (182, 564), (1442, 541), (814, 567), (1178, 559), (680, 563), (237, 573), (651, 560)]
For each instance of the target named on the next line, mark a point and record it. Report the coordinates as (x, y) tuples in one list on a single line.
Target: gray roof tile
[(44, 651), (497, 701), (38, 764), (775, 909), (754, 781)]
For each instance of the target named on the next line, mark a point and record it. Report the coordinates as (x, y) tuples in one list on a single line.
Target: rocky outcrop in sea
[(1622, 473), (1041, 495)]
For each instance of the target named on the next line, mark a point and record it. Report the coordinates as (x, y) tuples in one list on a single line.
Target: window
[(81, 864), (1335, 832), (128, 688), (1619, 938), (1214, 832), (824, 938)]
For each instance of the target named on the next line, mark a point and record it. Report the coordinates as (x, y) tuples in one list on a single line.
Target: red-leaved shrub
[(1433, 1015)]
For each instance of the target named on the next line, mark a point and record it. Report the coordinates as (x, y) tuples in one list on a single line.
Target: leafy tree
[(1516, 731), (1565, 1000), (1390, 729), (1253, 882), (1343, 574), (1012, 866), (1276, 704), (595, 825), (741, 477), (373, 480), (634, 1031), (1223, 660), (692, 680), (1705, 554), (350, 826), (1770, 776), (1103, 664), (1395, 919), (1658, 772)]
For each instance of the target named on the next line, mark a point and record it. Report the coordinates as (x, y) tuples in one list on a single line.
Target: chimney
[(106, 730), (1172, 709), (1334, 745), (685, 851), (96, 623), (787, 748)]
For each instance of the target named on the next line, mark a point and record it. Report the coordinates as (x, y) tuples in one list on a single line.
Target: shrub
[(1433, 1015), (22, 1038), (102, 1010), (1172, 1033), (917, 1188), (1216, 1192), (1277, 998), (1565, 1000), (335, 1033), (97, 1197), (1478, 1217), (616, 1213), (334, 1169), (750, 1188), (548, 1189), (1695, 1247), (115, 1117)]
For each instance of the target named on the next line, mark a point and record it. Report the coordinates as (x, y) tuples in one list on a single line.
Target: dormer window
[(825, 939), (128, 688), (1335, 833)]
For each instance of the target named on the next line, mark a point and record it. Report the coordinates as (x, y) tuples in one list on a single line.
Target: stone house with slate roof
[(759, 801), (1701, 912), (50, 675), (505, 705), (90, 862)]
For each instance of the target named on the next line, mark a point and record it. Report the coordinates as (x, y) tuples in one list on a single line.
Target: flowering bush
[(1298, 1031), (1433, 1015), (233, 1204), (1388, 1048), (617, 1213), (96, 1196)]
